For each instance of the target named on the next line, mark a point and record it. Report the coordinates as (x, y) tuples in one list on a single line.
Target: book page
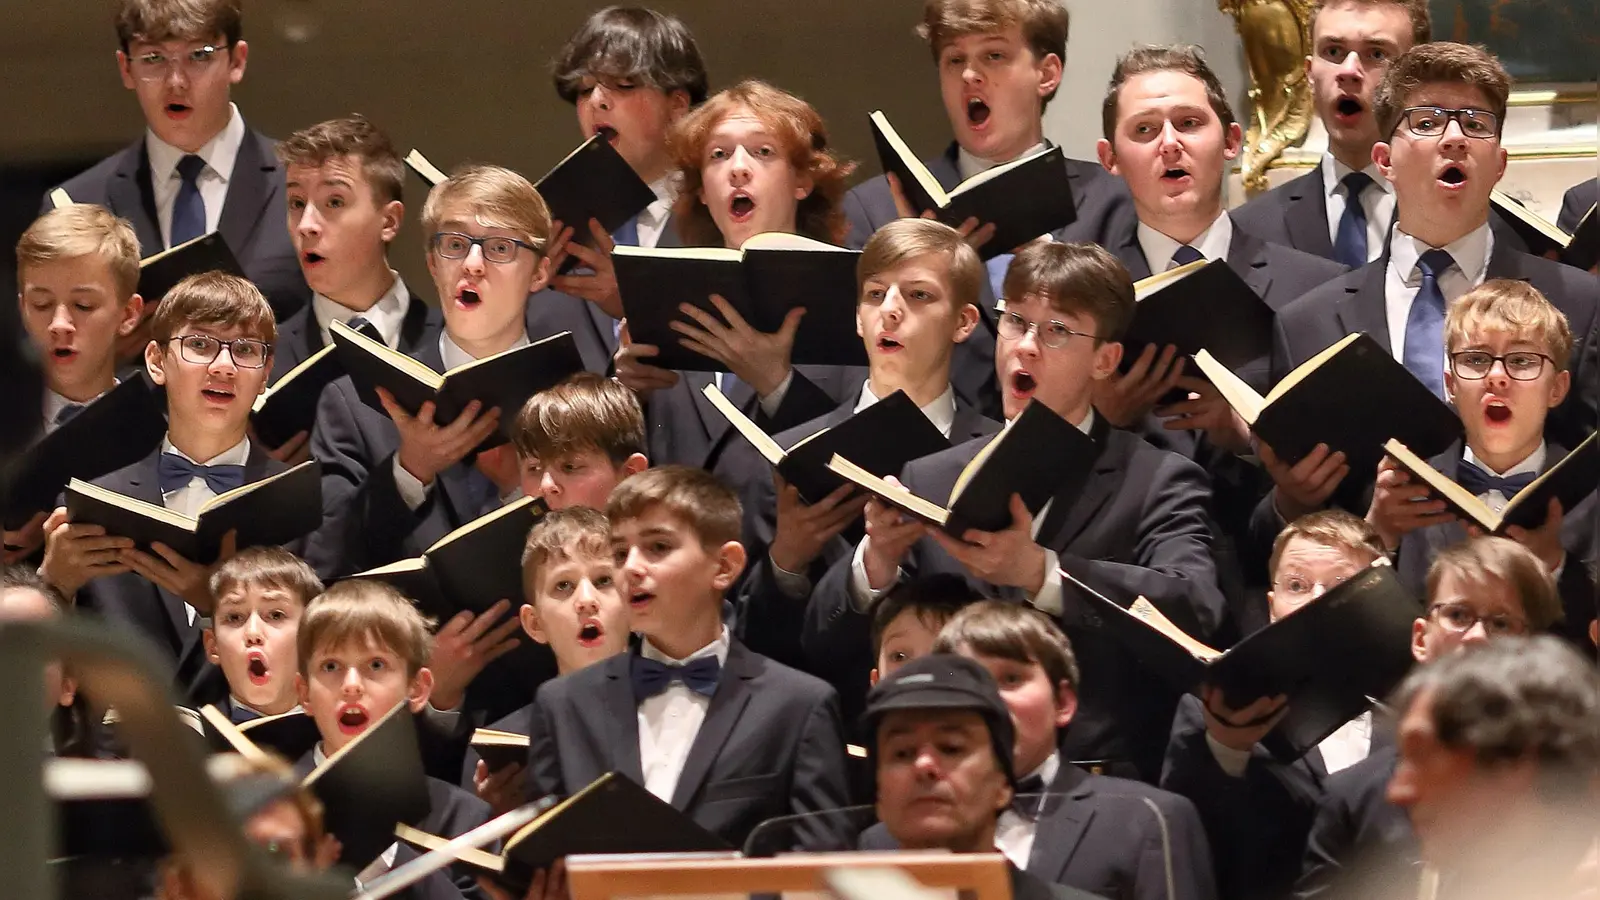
[(133, 504), (1144, 287), (430, 173), (1309, 366), (975, 465), (464, 367), (1147, 612), (889, 493), (758, 438), (490, 737), (1441, 485), (784, 240), (414, 564), (929, 184), (233, 734), (59, 198), (470, 855), (990, 174), (483, 520), (1239, 394), (703, 254), (347, 749), (414, 369), (1508, 205), (227, 497)]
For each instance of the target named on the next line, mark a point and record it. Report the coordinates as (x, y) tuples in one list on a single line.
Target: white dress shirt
[(1532, 465), (188, 499), (1377, 201), (969, 165), (653, 221), (219, 154), (1403, 279), (669, 721), (1013, 833), (1348, 745), (1158, 249), (1047, 600), (388, 315), (54, 403), (412, 491)]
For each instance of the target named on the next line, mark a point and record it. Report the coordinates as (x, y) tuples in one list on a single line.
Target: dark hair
[(584, 412), (1441, 62), (1078, 279), (634, 44), (214, 299), (354, 136), (1416, 11), (706, 505), (157, 21), (1185, 58), (1008, 630), (74, 731), (267, 566), (932, 598)]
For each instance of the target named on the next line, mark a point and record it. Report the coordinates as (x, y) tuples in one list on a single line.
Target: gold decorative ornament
[(1277, 40)]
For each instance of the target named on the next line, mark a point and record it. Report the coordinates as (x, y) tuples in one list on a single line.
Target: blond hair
[(78, 230), (1044, 25), (492, 196), (1329, 528), (1480, 559), (362, 610), (907, 239), (584, 412), (560, 535), (1515, 308)]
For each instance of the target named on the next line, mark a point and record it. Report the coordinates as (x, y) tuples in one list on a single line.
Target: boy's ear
[(803, 187), (394, 215), (420, 689), (1383, 155), (1559, 387), (208, 637), (872, 677), (966, 321), (730, 562), (1107, 357), (122, 69), (1449, 381), (1233, 141), (541, 275), (69, 690), (153, 361), (302, 692), (132, 315), (634, 464), (238, 55), (1066, 704), (528, 615), (1050, 70), (678, 104), (1106, 155), (1419, 648)]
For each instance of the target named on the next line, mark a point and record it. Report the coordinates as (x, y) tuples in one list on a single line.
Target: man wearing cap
[(943, 747)]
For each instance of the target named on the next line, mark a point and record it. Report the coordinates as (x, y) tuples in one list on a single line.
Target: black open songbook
[(1570, 481), (160, 271), (1200, 306), (370, 785)]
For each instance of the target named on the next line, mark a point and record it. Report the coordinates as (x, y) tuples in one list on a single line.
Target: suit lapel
[(710, 419), (621, 713), (1061, 830), (132, 197), (1248, 257), (1093, 494), (1505, 262), (417, 325), (249, 188), (968, 423), (604, 327), (1306, 216), (140, 482), (1132, 255), (1363, 306), (727, 704)]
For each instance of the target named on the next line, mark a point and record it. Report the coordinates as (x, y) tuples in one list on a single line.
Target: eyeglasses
[(203, 350), (155, 66), (1052, 334), (455, 245), (1431, 121), (1294, 585), (1522, 365), (1459, 618)]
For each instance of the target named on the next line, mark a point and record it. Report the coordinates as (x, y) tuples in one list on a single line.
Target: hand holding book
[(1241, 729), (1402, 504), (891, 534), (631, 365), (761, 360), (427, 448), (976, 233), (1125, 398), (804, 529), (168, 569), (1008, 558), (598, 285)]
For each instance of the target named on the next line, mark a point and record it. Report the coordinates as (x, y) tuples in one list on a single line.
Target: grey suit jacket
[(299, 338), (1576, 203), (252, 220)]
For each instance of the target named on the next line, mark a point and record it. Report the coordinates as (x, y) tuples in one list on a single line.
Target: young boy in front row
[(77, 274), (1507, 350), (261, 595), (211, 346), (727, 736), (363, 650)]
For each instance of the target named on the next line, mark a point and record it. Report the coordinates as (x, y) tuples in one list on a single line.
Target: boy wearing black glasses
[(1507, 352)]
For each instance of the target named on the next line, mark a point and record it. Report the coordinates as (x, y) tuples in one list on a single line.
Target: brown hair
[(1484, 558), (1441, 62), (1185, 58), (82, 229), (1415, 10), (214, 300), (628, 43), (1043, 23), (1078, 279), (352, 136), (933, 599), (804, 138), (1330, 528), (560, 535), (495, 197), (584, 412), (363, 609), (267, 566), (905, 239), (695, 496), (20, 577), (1515, 308), (1011, 631), (157, 21)]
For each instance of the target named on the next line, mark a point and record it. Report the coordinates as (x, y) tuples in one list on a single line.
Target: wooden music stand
[(614, 877)]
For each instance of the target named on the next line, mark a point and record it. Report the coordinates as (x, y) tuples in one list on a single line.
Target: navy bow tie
[(174, 472), (1479, 481), (239, 715), (651, 677), (1026, 799)]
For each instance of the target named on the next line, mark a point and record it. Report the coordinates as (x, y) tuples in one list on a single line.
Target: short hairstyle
[(584, 412), (353, 136), (20, 577), (560, 535), (906, 239), (933, 599), (364, 609), (1012, 631), (1518, 699), (1043, 23), (494, 197), (695, 496), (804, 138), (630, 43), (214, 300), (1186, 58), (1415, 10), (1077, 279), (1482, 558), (1441, 62), (227, 768), (267, 566), (82, 229), (158, 21), (1329, 528), (1512, 307)]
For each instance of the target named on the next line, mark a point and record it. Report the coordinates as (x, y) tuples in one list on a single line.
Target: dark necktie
[(650, 677), (627, 235), (68, 413), (1423, 355), (1025, 800), (997, 273), (174, 472), (1350, 245), (239, 715), (1184, 255), (189, 208), (1479, 481), (360, 323)]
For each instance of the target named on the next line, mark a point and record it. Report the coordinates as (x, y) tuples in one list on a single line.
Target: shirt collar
[(941, 411), (969, 165), (54, 403), (1470, 252), (1212, 243), (317, 756), (666, 190), (387, 315), (717, 648), (219, 152), (1086, 426), (236, 703), (1333, 172), (1048, 769), (1532, 464), (454, 357), (237, 455)]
